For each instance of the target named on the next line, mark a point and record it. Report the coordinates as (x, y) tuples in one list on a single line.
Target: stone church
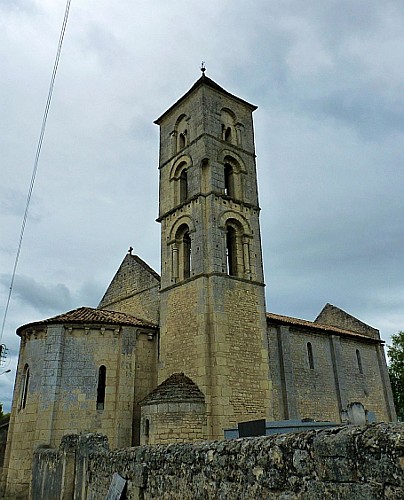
[(186, 354)]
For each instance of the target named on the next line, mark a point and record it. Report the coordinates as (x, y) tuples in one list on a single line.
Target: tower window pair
[(227, 133)]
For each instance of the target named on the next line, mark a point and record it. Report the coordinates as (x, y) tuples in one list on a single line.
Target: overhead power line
[(36, 161)]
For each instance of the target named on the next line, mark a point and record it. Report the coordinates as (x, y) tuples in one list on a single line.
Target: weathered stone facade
[(346, 367), (88, 370), (175, 412), (58, 389), (212, 324), (349, 463)]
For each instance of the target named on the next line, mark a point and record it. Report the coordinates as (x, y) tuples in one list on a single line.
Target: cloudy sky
[(328, 79)]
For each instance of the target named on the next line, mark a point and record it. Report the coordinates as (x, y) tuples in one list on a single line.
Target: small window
[(147, 430), (310, 355), (102, 377), (183, 263), (231, 251), (183, 186), (359, 361), (182, 140), (187, 255), (227, 134), (228, 180), (24, 390)]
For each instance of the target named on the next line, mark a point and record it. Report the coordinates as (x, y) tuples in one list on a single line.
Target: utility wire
[(36, 161)]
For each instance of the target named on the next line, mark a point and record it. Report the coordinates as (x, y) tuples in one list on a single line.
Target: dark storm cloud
[(40, 296)]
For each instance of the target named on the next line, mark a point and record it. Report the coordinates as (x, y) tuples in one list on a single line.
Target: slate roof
[(87, 315), (204, 80), (288, 320), (178, 387)]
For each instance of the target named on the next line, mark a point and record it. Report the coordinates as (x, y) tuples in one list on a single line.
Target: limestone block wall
[(174, 422), (315, 387), (347, 462), (342, 370), (64, 363), (331, 315), (365, 385), (213, 329), (134, 290)]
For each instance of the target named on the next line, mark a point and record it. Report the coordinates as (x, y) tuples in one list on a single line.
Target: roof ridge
[(83, 315), (314, 324)]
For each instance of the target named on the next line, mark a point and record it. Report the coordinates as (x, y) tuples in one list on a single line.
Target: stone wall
[(324, 390), (4, 423), (134, 290), (331, 315), (61, 399), (346, 462)]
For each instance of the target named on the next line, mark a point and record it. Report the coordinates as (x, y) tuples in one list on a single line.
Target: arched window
[(183, 248), (228, 180), (102, 377), (231, 251), (234, 248), (24, 387), (359, 361), (182, 142), (232, 177), (228, 120), (310, 355), (183, 185)]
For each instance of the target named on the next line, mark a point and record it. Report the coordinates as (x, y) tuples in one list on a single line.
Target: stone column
[(288, 377)]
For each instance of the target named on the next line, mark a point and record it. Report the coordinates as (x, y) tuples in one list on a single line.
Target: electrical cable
[(36, 161)]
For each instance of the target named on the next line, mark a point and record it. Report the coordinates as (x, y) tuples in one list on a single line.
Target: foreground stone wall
[(346, 462)]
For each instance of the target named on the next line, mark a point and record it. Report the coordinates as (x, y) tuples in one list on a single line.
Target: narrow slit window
[(228, 180), (227, 134), (147, 430), (310, 355), (183, 141), (183, 186), (187, 255), (25, 384), (102, 377), (231, 251), (359, 361)]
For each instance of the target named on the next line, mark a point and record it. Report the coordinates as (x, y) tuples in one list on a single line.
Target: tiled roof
[(85, 315), (288, 320), (177, 387)]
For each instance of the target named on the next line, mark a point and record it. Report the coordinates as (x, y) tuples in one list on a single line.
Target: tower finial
[(203, 68)]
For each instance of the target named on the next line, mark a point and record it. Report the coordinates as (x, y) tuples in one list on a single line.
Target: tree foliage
[(396, 371)]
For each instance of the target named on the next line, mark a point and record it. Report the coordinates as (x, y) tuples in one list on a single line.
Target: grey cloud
[(40, 296)]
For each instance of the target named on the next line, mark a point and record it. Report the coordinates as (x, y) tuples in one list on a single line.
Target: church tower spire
[(213, 325)]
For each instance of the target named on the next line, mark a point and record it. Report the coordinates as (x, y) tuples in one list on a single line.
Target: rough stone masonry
[(350, 463)]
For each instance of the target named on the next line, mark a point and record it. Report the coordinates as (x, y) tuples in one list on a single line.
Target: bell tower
[(212, 317)]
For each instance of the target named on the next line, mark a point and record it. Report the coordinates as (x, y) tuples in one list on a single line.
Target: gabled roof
[(177, 387), (318, 327), (204, 80), (88, 315), (140, 273)]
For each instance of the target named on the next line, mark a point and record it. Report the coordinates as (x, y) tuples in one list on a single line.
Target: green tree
[(396, 371)]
